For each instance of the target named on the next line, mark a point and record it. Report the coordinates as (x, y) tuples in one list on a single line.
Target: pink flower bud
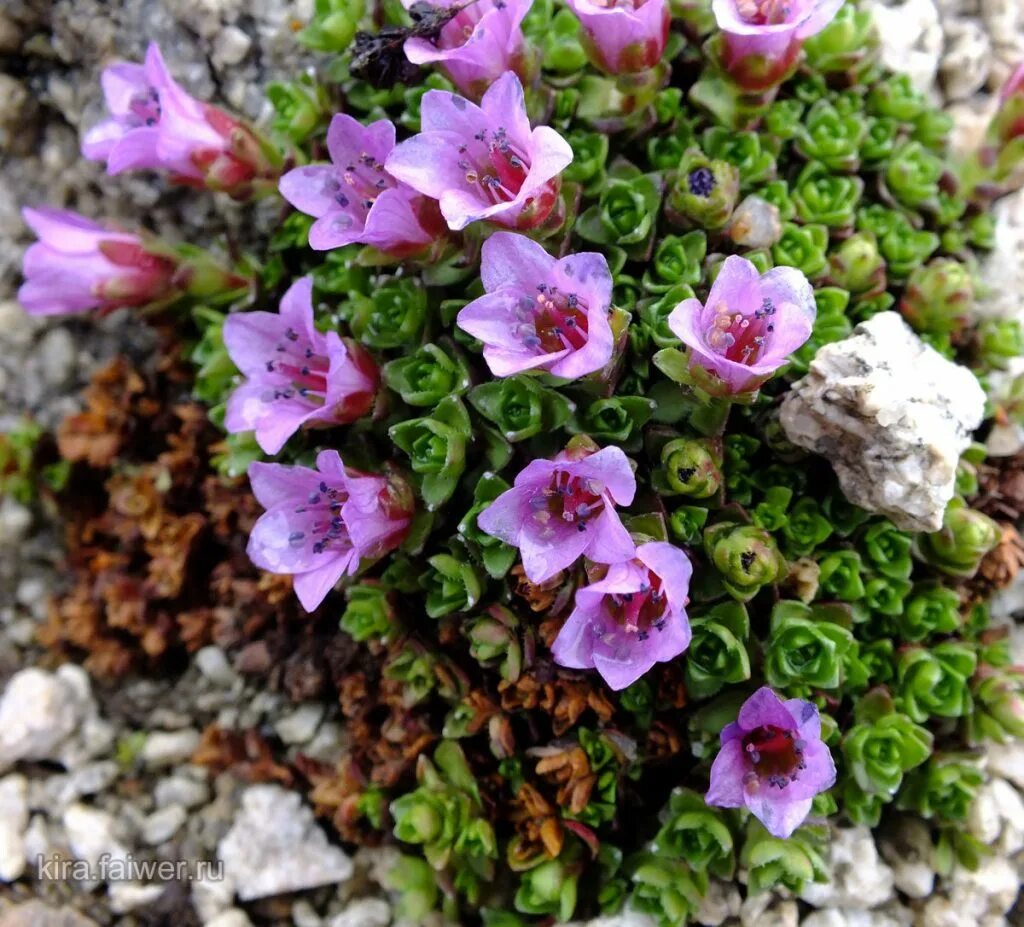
[(623, 36), (155, 125), (78, 265)]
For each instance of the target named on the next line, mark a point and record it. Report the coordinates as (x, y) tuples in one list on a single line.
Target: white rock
[(15, 520), (233, 918), (275, 846), (87, 780), (766, 910), (984, 820), (858, 878), (161, 825), (622, 919), (908, 850), (299, 726), (892, 415), (366, 912), (1011, 809), (966, 59), (127, 896), (213, 664), (211, 897), (856, 917), (990, 890), (39, 711), (1001, 273), (168, 748), (721, 902), (911, 39), (181, 790), (56, 352), (37, 839), (13, 823), (304, 915), (1007, 760), (230, 47), (90, 836)]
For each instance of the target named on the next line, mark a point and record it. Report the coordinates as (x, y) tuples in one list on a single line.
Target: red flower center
[(568, 499), (775, 754), (764, 12), (559, 321), (295, 358), (638, 612), (741, 338)]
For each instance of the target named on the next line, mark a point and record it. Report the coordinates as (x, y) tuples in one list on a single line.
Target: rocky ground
[(87, 771)]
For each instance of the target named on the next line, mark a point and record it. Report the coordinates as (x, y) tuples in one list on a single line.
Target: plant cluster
[(603, 632)]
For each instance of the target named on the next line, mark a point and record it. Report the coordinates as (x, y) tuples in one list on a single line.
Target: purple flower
[(763, 37), (295, 375), (319, 523), (633, 618), (772, 762), (623, 36), (79, 265), (540, 313), (356, 200), (477, 45), (562, 509), (155, 124), (749, 325), (483, 162)]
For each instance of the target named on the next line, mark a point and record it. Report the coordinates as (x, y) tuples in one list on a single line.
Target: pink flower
[(356, 200), (155, 124), (772, 762), (763, 37), (748, 327), (1014, 84), (78, 265), (319, 523), (623, 36), (630, 620), (540, 313), (477, 45), (559, 510), (483, 162), (295, 375)]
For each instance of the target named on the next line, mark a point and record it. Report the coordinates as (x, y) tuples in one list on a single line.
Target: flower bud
[(939, 297), (705, 192), (998, 705), (745, 556), (857, 266), (959, 547), (494, 639), (691, 467)]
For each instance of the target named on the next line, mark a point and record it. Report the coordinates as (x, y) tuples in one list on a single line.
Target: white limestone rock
[(13, 824), (858, 878), (275, 846), (50, 716), (911, 38), (892, 415)]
